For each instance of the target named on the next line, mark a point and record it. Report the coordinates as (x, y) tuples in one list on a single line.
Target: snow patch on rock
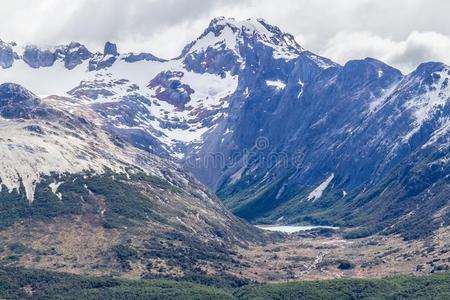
[(318, 191), (278, 84)]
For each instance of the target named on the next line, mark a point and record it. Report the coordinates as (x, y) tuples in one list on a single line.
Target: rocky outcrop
[(74, 54), (19, 103), (135, 57), (170, 89), (36, 57), (105, 59), (7, 54)]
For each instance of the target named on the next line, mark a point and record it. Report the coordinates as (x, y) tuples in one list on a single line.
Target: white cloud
[(404, 54), (421, 47), (402, 32)]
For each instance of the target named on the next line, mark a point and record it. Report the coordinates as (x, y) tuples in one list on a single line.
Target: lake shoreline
[(292, 228)]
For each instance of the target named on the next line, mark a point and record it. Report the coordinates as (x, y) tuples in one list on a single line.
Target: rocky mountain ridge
[(280, 133)]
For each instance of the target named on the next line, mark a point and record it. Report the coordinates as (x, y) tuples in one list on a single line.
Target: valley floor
[(306, 256), (318, 264), (309, 255)]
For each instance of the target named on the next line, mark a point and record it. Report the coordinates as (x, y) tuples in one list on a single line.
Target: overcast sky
[(403, 33)]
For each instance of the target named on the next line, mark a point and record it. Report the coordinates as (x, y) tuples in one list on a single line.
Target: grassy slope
[(129, 207), (17, 284)]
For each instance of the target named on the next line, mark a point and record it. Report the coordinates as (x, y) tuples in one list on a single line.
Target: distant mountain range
[(281, 134)]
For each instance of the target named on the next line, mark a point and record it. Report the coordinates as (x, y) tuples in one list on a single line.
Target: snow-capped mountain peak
[(251, 27), (226, 42)]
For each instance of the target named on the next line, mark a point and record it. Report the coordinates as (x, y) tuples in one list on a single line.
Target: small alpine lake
[(292, 228)]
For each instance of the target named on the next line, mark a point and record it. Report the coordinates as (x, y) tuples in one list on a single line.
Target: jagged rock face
[(37, 58), (6, 55), (74, 54), (110, 49), (105, 59)]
